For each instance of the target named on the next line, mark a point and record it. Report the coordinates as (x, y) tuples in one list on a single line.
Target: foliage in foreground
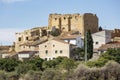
[(110, 71), (110, 54)]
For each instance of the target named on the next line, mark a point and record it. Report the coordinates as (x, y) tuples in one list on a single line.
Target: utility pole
[(85, 46)]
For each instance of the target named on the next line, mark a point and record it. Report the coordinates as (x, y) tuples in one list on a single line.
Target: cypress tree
[(89, 44)]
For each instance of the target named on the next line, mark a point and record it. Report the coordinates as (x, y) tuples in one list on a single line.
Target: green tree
[(68, 64), (8, 64), (56, 32), (100, 28), (36, 62), (24, 68), (53, 63), (89, 44), (77, 53), (112, 54)]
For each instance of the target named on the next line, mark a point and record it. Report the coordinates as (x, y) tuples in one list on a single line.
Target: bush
[(55, 33), (24, 68), (8, 64), (12, 76), (110, 71), (99, 63), (33, 75), (3, 75), (50, 74)]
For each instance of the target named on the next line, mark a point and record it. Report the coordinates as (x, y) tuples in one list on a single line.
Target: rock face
[(70, 22)]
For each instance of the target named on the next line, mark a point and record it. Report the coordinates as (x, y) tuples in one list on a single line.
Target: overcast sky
[(18, 15)]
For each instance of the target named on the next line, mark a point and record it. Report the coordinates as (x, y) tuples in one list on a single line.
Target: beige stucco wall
[(27, 48), (81, 23), (52, 46)]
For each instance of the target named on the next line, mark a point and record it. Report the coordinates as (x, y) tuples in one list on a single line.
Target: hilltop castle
[(76, 22), (63, 22)]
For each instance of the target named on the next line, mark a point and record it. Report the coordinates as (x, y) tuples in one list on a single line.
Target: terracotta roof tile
[(110, 45)]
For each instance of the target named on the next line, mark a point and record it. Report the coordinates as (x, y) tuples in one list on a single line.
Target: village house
[(32, 46), (54, 48), (116, 35), (25, 55), (100, 38), (105, 47), (74, 39)]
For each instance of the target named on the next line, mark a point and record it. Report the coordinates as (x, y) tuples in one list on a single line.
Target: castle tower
[(76, 22)]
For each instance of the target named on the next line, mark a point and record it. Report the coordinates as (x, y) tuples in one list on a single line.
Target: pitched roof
[(27, 52), (62, 41), (70, 37), (4, 47), (110, 45), (34, 43)]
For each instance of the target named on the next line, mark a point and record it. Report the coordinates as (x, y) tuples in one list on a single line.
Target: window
[(45, 46), (55, 51), (96, 43), (46, 51), (53, 45), (19, 39), (61, 51), (64, 18), (45, 59), (26, 38), (55, 18)]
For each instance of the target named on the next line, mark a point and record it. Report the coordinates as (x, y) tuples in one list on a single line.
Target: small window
[(96, 43), (45, 46), (53, 45), (61, 51), (19, 39), (55, 51), (64, 18), (46, 51), (45, 59), (55, 18), (26, 38)]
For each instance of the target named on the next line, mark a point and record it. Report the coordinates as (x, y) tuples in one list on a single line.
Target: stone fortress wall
[(70, 22), (64, 22)]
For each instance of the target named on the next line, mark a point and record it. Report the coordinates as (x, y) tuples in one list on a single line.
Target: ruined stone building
[(77, 22), (116, 35), (28, 37)]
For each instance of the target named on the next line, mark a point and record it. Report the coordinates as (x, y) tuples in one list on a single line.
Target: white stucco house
[(100, 38), (74, 39), (23, 55)]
